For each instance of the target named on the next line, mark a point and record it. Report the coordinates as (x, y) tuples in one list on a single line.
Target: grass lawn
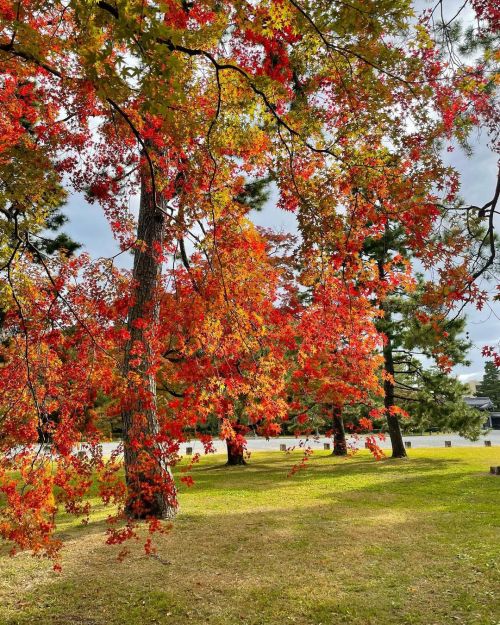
[(345, 541)]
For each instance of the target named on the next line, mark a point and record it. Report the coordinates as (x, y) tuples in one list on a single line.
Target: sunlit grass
[(345, 541)]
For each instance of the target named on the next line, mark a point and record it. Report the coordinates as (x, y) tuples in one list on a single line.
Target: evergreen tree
[(54, 241), (490, 385), (434, 400), (416, 331)]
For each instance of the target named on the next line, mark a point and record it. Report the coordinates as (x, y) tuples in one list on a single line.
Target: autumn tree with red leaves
[(183, 104), (224, 334)]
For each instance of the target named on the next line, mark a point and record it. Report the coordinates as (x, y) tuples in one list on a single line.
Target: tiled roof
[(479, 402)]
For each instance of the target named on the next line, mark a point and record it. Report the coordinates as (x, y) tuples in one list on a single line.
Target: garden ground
[(395, 542)]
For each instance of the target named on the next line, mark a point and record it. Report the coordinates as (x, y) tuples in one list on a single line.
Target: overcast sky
[(88, 226)]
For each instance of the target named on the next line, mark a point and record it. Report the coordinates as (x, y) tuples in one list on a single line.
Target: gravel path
[(417, 442)]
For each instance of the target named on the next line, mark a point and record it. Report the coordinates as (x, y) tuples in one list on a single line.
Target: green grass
[(345, 541)]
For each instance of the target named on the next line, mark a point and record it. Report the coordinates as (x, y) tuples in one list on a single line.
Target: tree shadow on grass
[(407, 486), (276, 472), (359, 500), (320, 564)]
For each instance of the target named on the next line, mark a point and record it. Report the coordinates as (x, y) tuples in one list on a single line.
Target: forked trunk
[(151, 489)]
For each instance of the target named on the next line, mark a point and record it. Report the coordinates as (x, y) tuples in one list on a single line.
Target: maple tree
[(468, 242), (225, 337), (467, 45), (334, 363), (183, 104), (52, 369)]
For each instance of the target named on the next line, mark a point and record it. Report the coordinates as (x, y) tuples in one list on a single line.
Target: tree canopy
[(346, 108)]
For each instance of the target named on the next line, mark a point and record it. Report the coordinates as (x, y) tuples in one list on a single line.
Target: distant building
[(484, 404), (479, 403)]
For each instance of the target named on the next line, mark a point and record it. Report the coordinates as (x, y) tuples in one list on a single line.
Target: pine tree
[(435, 400), (417, 330), (490, 385)]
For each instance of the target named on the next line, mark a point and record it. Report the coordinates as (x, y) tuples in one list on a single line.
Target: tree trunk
[(398, 448), (339, 440), (235, 447), (150, 485), (234, 455)]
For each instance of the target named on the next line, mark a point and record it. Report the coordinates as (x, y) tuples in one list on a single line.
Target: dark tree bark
[(46, 426), (235, 455), (145, 468), (398, 448), (339, 440)]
